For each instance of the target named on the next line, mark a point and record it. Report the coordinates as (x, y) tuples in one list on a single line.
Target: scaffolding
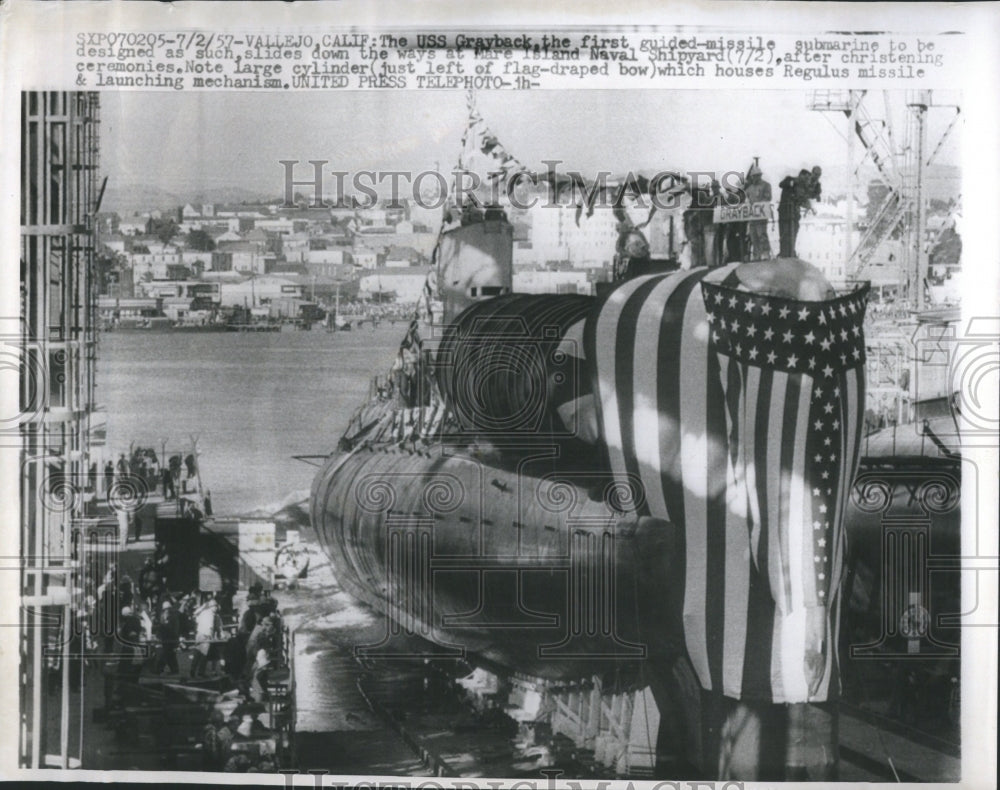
[(59, 164), (900, 164)]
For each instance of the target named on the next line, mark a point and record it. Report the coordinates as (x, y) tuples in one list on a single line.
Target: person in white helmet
[(207, 627)]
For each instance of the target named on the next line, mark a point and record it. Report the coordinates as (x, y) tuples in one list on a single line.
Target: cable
[(885, 751)]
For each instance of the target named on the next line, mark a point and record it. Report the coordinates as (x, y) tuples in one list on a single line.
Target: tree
[(200, 241), (163, 229)]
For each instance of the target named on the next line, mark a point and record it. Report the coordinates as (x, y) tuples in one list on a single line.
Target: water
[(253, 400)]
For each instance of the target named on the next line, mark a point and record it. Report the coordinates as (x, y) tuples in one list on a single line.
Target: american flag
[(741, 414)]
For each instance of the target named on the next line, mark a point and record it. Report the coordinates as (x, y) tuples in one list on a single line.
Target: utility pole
[(849, 230), (920, 221)]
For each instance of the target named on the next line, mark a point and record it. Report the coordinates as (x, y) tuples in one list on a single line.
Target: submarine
[(512, 526), (559, 487)]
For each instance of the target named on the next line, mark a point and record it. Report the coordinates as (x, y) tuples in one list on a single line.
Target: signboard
[(255, 541), (743, 212)]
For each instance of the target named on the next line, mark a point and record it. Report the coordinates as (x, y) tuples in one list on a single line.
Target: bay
[(253, 400)]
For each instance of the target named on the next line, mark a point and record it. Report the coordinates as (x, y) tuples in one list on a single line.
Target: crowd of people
[(140, 629), (177, 476), (714, 242), (234, 738), (797, 194)]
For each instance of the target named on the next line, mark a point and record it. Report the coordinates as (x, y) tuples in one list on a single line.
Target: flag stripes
[(740, 415)]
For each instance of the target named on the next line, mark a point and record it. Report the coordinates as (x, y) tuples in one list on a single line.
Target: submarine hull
[(533, 569)]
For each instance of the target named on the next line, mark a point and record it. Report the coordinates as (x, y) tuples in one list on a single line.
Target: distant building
[(295, 245), (112, 308), (406, 284), (134, 226), (329, 256), (556, 236), (153, 265), (262, 290), (398, 257), (822, 242), (276, 225), (114, 243), (542, 281), (246, 257), (383, 239), (328, 263), (365, 258)]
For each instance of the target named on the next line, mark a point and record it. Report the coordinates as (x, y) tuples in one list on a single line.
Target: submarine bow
[(697, 506)]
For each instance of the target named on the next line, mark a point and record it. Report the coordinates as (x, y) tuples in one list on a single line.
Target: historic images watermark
[(524, 189)]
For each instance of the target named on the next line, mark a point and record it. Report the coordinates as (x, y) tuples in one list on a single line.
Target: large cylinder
[(534, 570), (505, 367)]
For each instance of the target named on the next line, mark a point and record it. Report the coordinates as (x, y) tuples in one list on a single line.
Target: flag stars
[(826, 443), (765, 309), (828, 408), (718, 297), (810, 337), (803, 314), (748, 305), (812, 363), (836, 424), (821, 318), (732, 301), (710, 317), (833, 458), (771, 356), (818, 425), (752, 353), (818, 458), (828, 371), (735, 326), (793, 361), (787, 336), (751, 330), (821, 542), (783, 312), (825, 344), (768, 333), (817, 525)]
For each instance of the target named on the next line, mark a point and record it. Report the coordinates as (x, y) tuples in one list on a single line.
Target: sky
[(185, 142)]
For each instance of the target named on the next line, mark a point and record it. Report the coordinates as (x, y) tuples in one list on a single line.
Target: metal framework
[(900, 164), (59, 163)]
